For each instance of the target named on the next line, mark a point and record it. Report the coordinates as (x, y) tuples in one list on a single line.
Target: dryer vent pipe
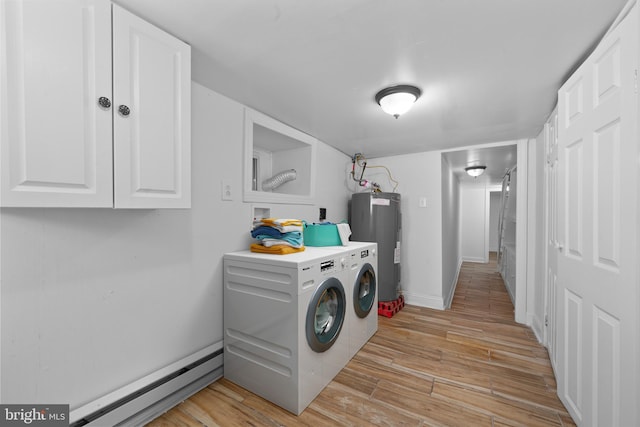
[(278, 179)]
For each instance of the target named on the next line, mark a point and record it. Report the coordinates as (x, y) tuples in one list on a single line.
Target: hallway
[(470, 365)]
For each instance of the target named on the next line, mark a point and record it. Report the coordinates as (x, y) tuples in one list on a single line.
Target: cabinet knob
[(104, 102), (124, 110)]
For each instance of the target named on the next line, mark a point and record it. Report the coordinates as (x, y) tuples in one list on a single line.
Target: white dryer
[(361, 290), (362, 311), (285, 323)]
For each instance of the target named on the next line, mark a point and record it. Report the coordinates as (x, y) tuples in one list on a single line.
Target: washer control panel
[(333, 265), (329, 265)]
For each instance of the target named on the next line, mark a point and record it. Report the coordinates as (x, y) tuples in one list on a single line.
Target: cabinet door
[(152, 143), (55, 62)]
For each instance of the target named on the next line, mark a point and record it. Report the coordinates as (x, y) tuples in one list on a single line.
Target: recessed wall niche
[(279, 162)]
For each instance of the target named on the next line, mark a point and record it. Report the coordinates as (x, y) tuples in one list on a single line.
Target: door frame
[(522, 215), (549, 313), (520, 306), (487, 226)]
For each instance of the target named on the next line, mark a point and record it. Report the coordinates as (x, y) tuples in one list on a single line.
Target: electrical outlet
[(227, 192)]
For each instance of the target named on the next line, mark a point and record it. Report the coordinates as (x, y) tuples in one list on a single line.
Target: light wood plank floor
[(471, 365)]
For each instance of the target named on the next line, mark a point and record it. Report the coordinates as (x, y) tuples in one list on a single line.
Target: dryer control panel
[(327, 265)]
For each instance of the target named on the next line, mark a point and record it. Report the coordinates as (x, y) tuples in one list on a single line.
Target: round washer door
[(364, 291), (325, 315)]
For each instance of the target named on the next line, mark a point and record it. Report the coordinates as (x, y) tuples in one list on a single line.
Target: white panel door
[(597, 229), (551, 207), (55, 59), (152, 121)]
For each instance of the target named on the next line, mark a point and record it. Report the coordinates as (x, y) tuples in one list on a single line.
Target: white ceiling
[(489, 70), (498, 161)]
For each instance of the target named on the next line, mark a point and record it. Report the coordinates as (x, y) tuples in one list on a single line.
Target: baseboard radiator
[(144, 400)]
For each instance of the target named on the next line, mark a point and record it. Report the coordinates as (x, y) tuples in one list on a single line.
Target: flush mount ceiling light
[(475, 171), (397, 100)]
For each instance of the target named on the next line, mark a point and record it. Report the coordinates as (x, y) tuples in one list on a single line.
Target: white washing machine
[(362, 311), (285, 323), (361, 290)]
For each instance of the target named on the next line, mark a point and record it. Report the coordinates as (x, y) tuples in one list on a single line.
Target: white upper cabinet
[(59, 103), (55, 60), (152, 133)]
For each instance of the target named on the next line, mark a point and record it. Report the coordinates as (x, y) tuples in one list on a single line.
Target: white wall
[(419, 176), (494, 216), (94, 299), (451, 259), (473, 198)]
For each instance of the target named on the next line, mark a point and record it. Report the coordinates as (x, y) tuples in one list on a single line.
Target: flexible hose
[(278, 179)]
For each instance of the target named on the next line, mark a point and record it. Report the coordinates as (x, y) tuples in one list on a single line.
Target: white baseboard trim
[(154, 411), (428, 301), (537, 326), (474, 259), (145, 392), (452, 290), (509, 291)]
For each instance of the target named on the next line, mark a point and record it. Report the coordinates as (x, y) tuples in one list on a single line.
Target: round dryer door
[(364, 291), (325, 315)]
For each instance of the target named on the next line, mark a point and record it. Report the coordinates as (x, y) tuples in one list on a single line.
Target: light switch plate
[(422, 202), (227, 192)]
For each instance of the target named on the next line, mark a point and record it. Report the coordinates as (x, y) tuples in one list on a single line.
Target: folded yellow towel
[(281, 221), (275, 249), (282, 225)]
